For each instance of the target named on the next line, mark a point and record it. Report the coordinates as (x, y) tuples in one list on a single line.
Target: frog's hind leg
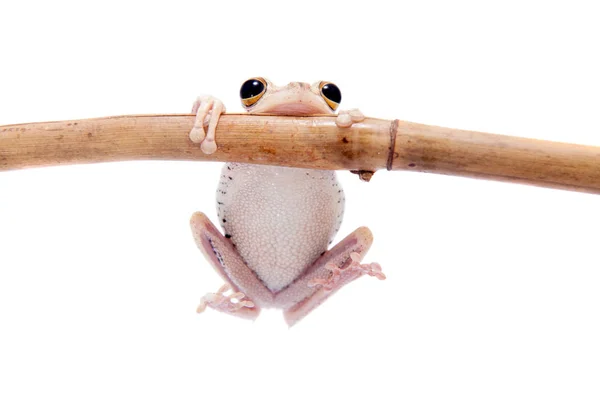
[(334, 269), (248, 292)]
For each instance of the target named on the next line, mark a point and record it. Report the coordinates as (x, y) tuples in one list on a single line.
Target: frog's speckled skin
[(278, 222), (269, 214)]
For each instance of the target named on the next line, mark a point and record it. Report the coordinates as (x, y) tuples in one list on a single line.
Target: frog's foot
[(352, 271), (334, 269), (346, 118), (223, 256), (208, 109), (232, 303)]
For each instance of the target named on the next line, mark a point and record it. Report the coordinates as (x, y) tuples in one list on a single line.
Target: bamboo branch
[(306, 142)]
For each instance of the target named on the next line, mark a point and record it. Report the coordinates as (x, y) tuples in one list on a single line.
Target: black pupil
[(251, 88), (332, 92)]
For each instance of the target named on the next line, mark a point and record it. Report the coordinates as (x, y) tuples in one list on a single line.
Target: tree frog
[(278, 221)]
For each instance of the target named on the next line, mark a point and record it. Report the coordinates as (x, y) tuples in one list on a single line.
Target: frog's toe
[(208, 109), (197, 134), (208, 145), (233, 303), (356, 115), (343, 120), (346, 118)]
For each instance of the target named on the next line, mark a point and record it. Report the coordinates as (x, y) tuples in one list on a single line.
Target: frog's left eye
[(252, 90), (331, 94)]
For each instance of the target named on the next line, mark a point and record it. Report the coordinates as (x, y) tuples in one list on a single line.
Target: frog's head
[(259, 95)]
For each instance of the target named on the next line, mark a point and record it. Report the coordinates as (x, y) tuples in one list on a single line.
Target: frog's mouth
[(296, 109)]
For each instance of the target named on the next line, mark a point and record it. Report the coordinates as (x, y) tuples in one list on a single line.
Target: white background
[(492, 289)]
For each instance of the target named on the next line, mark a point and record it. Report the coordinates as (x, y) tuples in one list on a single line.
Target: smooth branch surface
[(492, 288)]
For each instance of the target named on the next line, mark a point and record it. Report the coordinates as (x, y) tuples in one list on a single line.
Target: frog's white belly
[(280, 219)]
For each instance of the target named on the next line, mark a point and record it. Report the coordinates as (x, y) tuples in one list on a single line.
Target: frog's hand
[(346, 118), (208, 109), (232, 268), (334, 269)]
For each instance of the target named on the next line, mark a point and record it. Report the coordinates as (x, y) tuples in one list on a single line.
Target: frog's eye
[(252, 90), (331, 94)]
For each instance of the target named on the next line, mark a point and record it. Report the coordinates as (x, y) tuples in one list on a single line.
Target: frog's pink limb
[(346, 118), (332, 282), (228, 263), (231, 304), (303, 295), (207, 109)]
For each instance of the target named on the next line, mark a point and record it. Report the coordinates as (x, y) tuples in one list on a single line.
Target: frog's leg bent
[(334, 269), (249, 293)]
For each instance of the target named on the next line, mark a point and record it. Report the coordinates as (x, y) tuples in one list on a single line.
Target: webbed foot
[(353, 270), (232, 303)]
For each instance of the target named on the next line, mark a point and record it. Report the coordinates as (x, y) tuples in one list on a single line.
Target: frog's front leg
[(249, 293), (334, 269), (345, 118), (208, 109)]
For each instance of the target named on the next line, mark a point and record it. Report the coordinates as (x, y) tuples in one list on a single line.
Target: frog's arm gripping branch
[(309, 142)]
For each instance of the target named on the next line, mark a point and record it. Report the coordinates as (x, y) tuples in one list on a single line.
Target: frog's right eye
[(252, 90)]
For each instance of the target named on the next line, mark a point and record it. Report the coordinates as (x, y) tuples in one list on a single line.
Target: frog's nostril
[(299, 85)]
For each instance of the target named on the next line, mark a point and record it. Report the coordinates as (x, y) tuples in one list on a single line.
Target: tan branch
[(307, 142)]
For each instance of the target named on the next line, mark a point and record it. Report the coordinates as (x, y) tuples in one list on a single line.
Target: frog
[(278, 222)]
